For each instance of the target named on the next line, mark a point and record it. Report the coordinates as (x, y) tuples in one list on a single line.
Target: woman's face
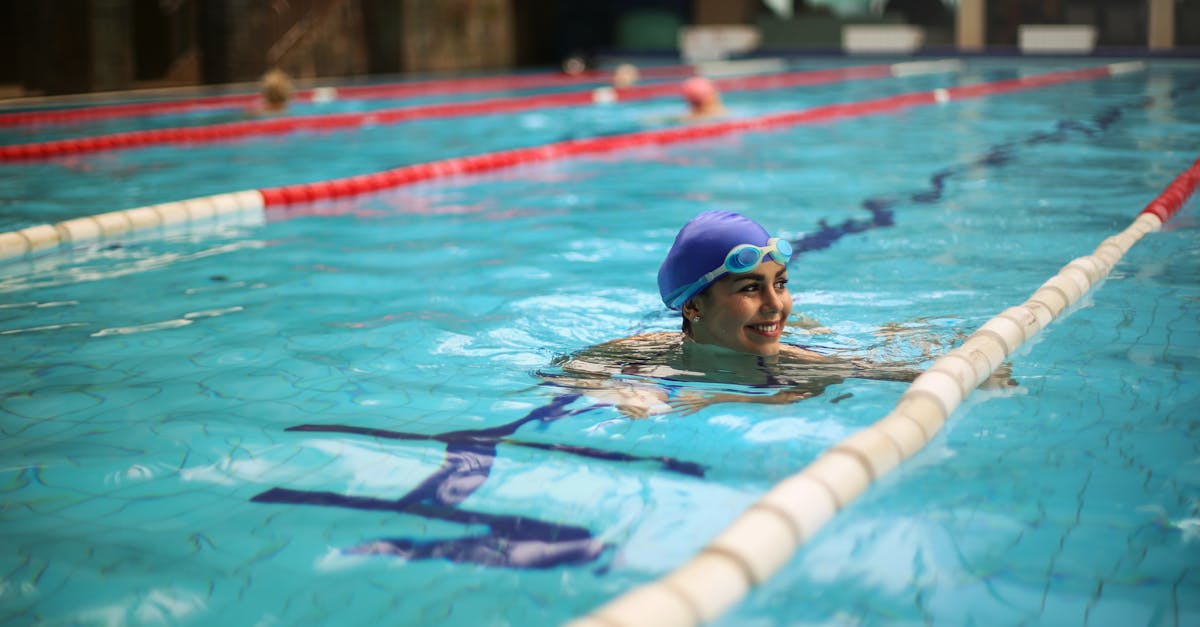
[(744, 312)]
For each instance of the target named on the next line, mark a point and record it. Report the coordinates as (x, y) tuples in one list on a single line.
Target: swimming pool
[(221, 423)]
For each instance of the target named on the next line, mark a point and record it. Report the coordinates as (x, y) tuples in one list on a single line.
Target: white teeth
[(766, 328)]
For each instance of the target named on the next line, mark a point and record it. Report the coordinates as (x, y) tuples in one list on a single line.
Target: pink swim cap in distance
[(698, 89)]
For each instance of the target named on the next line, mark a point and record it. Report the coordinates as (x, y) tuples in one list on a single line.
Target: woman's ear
[(690, 310)]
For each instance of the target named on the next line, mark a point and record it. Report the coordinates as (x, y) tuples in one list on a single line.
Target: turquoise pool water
[(33, 193), (246, 423)]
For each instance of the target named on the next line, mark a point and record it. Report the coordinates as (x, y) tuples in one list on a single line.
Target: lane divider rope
[(767, 534), (115, 224), (46, 237), (326, 122)]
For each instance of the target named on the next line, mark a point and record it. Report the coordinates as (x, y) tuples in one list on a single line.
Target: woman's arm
[(690, 402)]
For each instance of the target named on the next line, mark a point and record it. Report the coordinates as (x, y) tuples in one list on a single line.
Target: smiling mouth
[(769, 329)]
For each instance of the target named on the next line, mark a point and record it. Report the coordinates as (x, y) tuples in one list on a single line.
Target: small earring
[(696, 319)]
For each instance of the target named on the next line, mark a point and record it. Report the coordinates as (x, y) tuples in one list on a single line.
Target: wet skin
[(743, 312)]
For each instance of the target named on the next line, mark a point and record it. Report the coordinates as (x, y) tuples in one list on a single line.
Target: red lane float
[(126, 110), (1171, 200), (447, 86), (289, 194), (41, 237), (273, 126)]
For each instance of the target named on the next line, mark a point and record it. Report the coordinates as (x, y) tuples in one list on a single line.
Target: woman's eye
[(781, 284)]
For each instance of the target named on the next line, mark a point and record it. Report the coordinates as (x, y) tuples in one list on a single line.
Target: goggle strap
[(681, 295)]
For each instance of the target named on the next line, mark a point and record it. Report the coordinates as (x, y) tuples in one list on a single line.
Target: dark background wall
[(69, 46), (73, 46)]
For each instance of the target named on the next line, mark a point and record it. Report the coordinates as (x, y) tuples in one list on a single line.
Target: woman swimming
[(728, 278)]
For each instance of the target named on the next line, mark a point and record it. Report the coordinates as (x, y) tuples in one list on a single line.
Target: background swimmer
[(703, 99), (276, 91), (625, 75)]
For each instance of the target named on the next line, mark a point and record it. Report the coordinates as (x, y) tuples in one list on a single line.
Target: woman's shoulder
[(648, 344), (623, 355), (661, 338)]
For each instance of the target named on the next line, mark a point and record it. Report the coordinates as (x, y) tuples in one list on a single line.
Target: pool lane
[(335, 121), (766, 535), (112, 225), (445, 86)]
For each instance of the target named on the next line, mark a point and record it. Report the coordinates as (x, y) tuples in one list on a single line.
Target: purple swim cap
[(700, 246)]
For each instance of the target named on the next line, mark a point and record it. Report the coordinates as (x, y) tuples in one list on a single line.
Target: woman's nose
[(772, 300)]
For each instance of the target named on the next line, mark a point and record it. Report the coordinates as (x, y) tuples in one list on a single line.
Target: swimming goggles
[(741, 258)]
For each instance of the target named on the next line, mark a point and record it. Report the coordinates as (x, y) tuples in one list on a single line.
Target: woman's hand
[(687, 403), (634, 402), (783, 397), (634, 411)]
